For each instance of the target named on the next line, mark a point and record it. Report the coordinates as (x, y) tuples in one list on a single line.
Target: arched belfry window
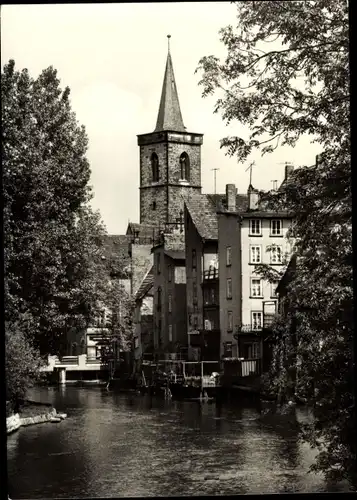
[(155, 167), (185, 167)]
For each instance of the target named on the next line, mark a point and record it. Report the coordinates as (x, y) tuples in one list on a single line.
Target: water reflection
[(129, 445)]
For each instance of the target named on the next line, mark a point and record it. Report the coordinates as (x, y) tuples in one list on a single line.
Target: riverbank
[(30, 413)]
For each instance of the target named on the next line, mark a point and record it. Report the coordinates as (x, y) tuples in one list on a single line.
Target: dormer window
[(155, 167), (184, 167)]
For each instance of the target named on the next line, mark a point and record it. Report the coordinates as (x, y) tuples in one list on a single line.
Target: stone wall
[(194, 153), (14, 422), (176, 196), (167, 192)]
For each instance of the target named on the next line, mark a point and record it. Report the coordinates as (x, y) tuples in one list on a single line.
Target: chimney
[(231, 193), (289, 169), (253, 198)]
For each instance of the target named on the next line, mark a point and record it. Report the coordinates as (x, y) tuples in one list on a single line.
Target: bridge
[(81, 364)]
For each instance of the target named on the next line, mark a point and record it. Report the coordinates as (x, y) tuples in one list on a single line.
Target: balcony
[(237, 367), (210, 274)]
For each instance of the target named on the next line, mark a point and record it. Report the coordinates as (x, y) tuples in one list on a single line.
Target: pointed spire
[(169, 117)]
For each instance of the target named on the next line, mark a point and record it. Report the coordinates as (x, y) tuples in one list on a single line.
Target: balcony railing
[(234, 367), (210, 274), (250, 327)]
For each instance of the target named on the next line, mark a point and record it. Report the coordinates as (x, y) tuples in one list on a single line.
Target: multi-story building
[(202, 271), (170, 294), (143, 318), (249, 237)]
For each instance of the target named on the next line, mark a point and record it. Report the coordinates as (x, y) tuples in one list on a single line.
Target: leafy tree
[(287, 74), (22, 361), (52, 238)]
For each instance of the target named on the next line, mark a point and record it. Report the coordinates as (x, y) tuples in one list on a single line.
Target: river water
[(115, 445)]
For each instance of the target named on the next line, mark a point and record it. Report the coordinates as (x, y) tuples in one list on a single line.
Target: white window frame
[(229, 295), (274, 252), (229, 321), (252, 260), (254, 322), (255, 227), (274, 231), (228, 256), (254, 286)]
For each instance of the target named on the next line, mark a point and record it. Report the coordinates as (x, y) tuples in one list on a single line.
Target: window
[(210, 296), (229, 256), (170, 333), (136, 342), (228, 349), (184, 167), (257, 320), (255, 227), (194, 293), (255, 254), (229, 288), (170, 303), (154, 167), (194, 260), (276, 227), (229, 321), (159, 299), (195, 322), (276, 255), (255, 287), (154, 205), (158, 262), (274, 285), (169, 273)]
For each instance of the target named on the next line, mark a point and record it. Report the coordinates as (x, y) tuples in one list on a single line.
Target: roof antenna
[(168, 43), (251, 171), (215, 178)]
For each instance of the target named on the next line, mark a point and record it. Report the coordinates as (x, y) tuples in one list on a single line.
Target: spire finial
[(168, 42)]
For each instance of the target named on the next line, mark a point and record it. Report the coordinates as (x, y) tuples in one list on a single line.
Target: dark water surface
[(130, 445)]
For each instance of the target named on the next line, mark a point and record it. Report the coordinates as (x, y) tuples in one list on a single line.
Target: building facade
[(170, 295), (249, 237)]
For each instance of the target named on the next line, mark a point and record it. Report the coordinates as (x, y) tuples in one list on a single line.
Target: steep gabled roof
[(169, 116), (175, 254), (203, 212), (146, 284)]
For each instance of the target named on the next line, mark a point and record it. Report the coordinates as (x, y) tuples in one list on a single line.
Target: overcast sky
[(113, 56)]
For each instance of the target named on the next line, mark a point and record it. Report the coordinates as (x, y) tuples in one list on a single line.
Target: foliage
[(115, 304), (52, 238), (287, 74), (22, 361)]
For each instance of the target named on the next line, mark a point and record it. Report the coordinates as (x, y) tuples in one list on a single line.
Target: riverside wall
[(14, 422)]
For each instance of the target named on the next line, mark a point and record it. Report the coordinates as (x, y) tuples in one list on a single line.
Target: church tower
[(170, 159)]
